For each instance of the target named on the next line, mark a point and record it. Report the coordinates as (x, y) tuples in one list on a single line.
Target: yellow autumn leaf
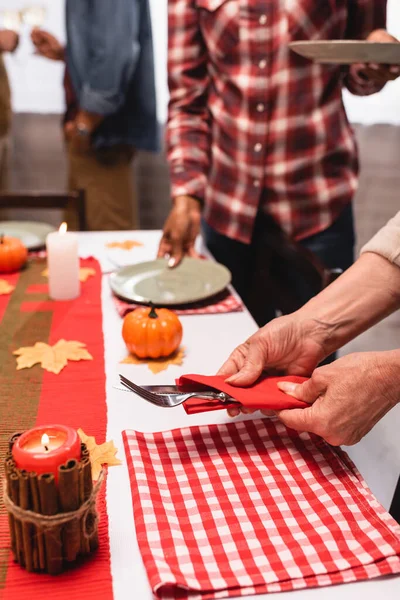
[(157, 365), (102, 454), (125, 245), (84, 273), (52, 358), (5, 287)]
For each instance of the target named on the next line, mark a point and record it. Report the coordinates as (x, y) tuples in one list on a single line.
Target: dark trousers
[(253, 266)]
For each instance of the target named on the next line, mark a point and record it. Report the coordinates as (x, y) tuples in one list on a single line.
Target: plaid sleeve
[(188, 126), (364, 16)]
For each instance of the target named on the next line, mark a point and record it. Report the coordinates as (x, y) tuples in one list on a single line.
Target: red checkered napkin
[(225, 302), (252, 507)]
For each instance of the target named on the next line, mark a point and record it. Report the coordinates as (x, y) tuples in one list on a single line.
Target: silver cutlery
[(168, 396)]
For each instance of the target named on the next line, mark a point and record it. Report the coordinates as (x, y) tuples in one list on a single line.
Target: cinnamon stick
[(88, 545), (9, 469), (14, 495), (25, 503), (84, 451), (68, 488), (52, 537), (12, 439), (85, 547), (86, 490), (40, 562)]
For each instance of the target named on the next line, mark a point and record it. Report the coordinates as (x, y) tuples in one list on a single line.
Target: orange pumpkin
[(152, 333), (13, 254)]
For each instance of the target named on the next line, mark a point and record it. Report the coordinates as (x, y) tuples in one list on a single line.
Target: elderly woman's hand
[(289, 344), (349, 397)]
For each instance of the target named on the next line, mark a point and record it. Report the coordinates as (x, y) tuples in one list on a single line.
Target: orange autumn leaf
[(84, 273), (125, 245), (157, 365), (5, 287), (100, 454), (51, 358)]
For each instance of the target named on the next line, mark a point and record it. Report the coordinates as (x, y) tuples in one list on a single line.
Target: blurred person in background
[(8, 43), (258, 139), (110, 101)]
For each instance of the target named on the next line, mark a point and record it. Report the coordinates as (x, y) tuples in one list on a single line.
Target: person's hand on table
[(347, 397), (47, 45), (288, 345), (377, 73), (9, 40), (181, 230)]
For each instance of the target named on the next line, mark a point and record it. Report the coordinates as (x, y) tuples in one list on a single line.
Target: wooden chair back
[(74, 200)]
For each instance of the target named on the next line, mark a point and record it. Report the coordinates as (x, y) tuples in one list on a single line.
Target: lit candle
[(43, 449), (63, 264)]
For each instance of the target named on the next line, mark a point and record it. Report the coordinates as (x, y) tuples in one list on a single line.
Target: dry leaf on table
[(5, 287), (126, 245), (156, 365), (52, 358), (99, 454), (84, 273)]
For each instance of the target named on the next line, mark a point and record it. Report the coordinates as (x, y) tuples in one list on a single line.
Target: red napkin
[(263, 395)]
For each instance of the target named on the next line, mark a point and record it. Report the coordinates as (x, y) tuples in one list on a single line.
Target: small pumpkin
[(13, 254), (152, 333)]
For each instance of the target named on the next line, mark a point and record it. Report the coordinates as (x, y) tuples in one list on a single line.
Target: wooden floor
[(38, 162)]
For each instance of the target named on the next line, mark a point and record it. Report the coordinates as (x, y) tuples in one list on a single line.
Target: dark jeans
[(334, 247)]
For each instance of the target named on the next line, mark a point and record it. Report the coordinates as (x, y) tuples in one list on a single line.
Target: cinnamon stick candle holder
[(52, 523)]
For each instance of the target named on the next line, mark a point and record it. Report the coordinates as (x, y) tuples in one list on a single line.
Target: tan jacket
[(5, 100), (387, 241)]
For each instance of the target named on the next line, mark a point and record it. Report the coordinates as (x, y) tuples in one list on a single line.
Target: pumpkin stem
[(152, 313), (2, 238)]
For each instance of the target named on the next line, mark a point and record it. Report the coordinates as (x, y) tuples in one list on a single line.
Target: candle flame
[(45, 441), (63, 228)]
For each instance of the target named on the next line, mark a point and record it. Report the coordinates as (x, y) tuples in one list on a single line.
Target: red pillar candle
[(45, 448)]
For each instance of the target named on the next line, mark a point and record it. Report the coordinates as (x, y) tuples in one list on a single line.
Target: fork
[(172, 400)]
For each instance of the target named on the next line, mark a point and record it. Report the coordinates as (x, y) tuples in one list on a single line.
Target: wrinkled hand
[(9, 40), (288, 345), (349, 397), (181, 230), (47, 45), (377, 73)]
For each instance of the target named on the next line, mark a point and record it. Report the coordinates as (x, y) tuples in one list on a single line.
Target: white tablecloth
[(208, 340)]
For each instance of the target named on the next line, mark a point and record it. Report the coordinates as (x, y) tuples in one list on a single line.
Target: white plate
[(31, 233), (346, 52), (193, 280)]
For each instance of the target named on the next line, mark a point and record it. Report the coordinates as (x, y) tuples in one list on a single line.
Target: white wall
[(37, 83)]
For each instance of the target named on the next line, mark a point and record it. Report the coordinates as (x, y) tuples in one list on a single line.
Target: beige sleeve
[(387, 241)]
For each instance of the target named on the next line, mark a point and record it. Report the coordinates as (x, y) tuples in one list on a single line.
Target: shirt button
[(260, 107), (262, 20), (258, 147), (262, 64), (256, 183)]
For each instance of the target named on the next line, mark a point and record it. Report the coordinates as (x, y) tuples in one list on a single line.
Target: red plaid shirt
[(249, 119)]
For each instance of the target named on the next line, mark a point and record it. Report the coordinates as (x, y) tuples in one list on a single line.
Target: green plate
[(193, 280), (31, 233)]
